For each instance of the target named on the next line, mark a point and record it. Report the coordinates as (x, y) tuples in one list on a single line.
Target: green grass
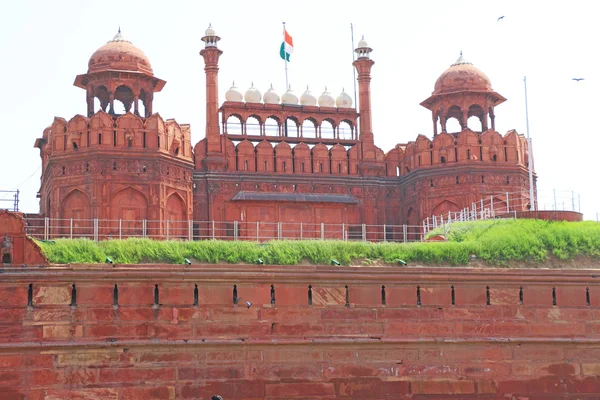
[(498, 242)]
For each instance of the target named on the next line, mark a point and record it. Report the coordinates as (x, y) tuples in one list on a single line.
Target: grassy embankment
[(499, 242)]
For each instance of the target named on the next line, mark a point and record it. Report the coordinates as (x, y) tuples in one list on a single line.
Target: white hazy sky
[(45, 44)]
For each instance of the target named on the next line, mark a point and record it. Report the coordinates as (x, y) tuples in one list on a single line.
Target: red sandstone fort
[(165, 332), (267, 158)]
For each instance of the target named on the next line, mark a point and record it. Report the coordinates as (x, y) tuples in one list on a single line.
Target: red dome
[(119, 54), (462, 76)]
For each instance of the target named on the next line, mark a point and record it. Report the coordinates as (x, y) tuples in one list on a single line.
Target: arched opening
[(443, 160), (76, 206), (494, 157), (131, 207), (444, 207), (142, 105), (290, 127), (233, 126), (345, 131), (253, 126), (452, 125), (272, 127), (101, 95), (476, 118), (474, 124), (124, 94), (309, 128), (327, 130)]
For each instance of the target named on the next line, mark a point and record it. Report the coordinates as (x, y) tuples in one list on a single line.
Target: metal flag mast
[(353, 59), (287, 86), (532, 202)]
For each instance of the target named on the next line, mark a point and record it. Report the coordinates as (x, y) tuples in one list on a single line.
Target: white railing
[(100, 229), (506, 205)]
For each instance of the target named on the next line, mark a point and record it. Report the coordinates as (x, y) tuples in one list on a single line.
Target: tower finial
[(119, 29), (461, 53)]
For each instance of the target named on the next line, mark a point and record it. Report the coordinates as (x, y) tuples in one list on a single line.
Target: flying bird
[(499, 18), (577, 79)]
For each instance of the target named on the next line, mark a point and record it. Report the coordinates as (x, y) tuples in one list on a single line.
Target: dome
[(253, 95), (271, 97), (307, 98), (210, 31), (326, 99), (462, 76), (119, 54), (234, 94), (343, 100), (362, 43), (289, 97)]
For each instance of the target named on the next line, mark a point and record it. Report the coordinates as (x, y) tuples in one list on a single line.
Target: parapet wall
[(429, 333)]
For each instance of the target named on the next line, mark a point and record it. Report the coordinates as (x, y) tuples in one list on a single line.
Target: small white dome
[(210, 31), (234, 94), (362, 43), (253, 95), (326, 99), (307, 98), (343, 100), (289, 97), (270, 97)]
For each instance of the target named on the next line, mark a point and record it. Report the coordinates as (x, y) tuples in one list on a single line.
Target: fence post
[(384, 233), (235, 230), (507, 204), (257, 234), (572, 201), (167, 229), (322, 231), (300, 230), (96, 229), (213, 229), (364, 232), (343, 232), (144, 228), (71, 228), (190, 230), (554, 190), (120, 229), (279, 234), (404, 233), (481, 206), (491, 205), (45, 228)]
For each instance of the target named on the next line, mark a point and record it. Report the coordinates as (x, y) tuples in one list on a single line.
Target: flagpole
[(287, 85), (353, 59), (532, 202)]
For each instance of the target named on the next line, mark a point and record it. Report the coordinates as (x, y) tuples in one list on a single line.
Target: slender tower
[(215, 159), (363, 64)]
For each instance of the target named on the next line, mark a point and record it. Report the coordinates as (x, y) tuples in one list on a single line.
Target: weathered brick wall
[(544, 344)]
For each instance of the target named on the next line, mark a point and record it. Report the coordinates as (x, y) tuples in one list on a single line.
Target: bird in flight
[(499, 18), (578, 79)]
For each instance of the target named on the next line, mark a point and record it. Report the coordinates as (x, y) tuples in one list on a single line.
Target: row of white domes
[(253, 95)]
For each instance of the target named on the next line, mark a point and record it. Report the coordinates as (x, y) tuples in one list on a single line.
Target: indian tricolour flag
[(287, 46)]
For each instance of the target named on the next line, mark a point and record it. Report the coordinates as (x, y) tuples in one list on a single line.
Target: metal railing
[(9, 200), (100, 229)]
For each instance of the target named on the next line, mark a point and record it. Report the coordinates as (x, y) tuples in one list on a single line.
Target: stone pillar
[(363, 67), (90, 102), (135, 105), (435, 132), (111, 102)]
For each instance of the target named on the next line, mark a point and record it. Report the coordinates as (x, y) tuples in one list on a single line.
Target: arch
[(474, 124), (124, 94), (309, 128), (264, 157), (320, 159), (443, 207), (327, 129), (131, 207), (453, 125), (176, 216), (271, 127), (76, 206), (234, 125), (345, 130), (253, 125), (476, 118), (101, 93), (290, 127), (353, 161)]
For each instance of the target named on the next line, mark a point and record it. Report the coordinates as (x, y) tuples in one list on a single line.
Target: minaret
[(363, 66), (215, 158)]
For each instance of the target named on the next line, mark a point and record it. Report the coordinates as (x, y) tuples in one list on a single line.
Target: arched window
[(245, 165), (253, 126), (443, 160), (452, 125), (468, 154), (475, 120), (345, 131), (290, 128), (494, 158), (309, 129), (271, 127), (474, 124), (327, 131), (124, 94), (233, 126)]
